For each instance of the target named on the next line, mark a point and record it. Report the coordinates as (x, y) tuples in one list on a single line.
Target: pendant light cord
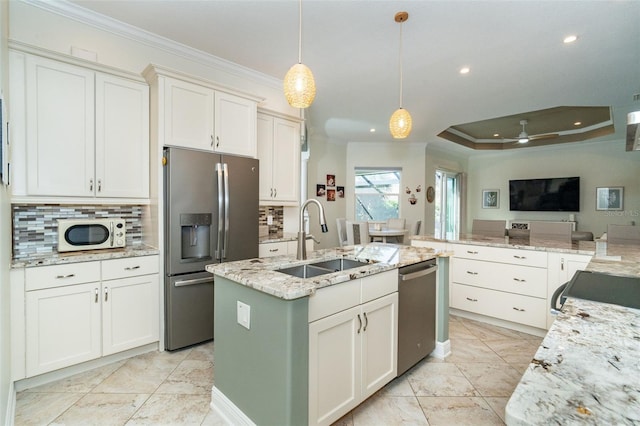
[(300, 32), (400, 63)]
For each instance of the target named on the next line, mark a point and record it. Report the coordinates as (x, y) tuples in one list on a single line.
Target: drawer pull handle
[(96, 299), (518, 309), (60, 277), (360, 321), (106, 294), (132, 268), (519, 280), (472, 252), (472, 273), (274, 250), (366, 321), (473, 300), (519, 257)]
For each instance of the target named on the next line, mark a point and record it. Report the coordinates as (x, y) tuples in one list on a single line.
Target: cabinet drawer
[(61, 275), (330, 300), (379, 285), (272, 249), (501, 255), (506, 306), (129, 267), (525, 280)]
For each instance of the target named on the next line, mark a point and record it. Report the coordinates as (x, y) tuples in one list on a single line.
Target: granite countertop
[(85, 256), (261, 273), (586, 370)]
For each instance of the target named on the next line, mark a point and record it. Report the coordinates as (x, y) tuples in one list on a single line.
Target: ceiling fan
[(524, 137)]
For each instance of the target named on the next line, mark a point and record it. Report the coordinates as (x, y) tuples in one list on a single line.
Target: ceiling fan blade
[(544, 136)]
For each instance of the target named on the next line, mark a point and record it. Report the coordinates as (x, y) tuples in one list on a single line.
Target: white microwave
[(91, 234)]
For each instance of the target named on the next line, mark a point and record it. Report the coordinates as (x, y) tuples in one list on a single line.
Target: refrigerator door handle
[(219, 252), (225, 247)]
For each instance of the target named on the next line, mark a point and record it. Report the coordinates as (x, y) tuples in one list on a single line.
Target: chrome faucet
[(302, 236)]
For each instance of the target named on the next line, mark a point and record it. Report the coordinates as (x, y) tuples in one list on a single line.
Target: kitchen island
[(586, 371), (262, 321)]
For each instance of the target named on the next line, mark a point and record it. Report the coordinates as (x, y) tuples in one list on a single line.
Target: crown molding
[(105, 23)]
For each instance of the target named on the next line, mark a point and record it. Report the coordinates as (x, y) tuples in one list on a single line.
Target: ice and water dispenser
[(196, 236)]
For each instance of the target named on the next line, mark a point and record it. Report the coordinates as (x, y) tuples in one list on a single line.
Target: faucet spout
[(302, 236)]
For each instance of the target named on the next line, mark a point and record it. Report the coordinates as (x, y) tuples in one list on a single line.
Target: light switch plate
[(244, 315), (269, 219)]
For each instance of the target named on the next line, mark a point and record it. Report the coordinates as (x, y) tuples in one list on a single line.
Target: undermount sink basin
[(321, 268)]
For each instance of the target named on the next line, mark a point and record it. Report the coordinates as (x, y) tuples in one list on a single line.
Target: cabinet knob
[(518, 309), (471, 300), (90, 184), (59, 277), (96, 299), (217, 141), (275, 192), (99, 185), (366, 321), (360, 321), (520, 280), (132, 268), (106, 294), (472, 273), (212, 141)]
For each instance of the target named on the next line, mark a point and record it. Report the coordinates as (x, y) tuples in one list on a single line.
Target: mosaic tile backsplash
[(35, 227), (277, 227)]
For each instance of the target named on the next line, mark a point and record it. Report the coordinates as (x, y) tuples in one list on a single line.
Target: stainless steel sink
[(321, 268), (336, 265)]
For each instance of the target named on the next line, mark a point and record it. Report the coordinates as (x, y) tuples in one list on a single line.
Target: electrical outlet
[(269, 219), (244, 315)]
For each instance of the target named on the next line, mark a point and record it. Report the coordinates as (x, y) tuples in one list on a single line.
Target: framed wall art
[(490, 198), (609, 198)]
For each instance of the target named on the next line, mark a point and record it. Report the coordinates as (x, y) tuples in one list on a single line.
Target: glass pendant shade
[(400, 124), (299, 86)]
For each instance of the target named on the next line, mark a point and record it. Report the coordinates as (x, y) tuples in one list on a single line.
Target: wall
[(599, 164), (6, 392), (326, 158)]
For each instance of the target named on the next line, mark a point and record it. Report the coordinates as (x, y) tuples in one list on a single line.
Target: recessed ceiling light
[(495, 135), (577, 123), (372, 130), (465, 70), (570, 39)]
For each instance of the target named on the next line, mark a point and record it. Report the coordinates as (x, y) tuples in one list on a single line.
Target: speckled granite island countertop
[(260, 274), (586, 371), (56, 258)]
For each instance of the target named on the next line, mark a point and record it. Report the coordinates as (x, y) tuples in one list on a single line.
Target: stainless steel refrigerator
[(211, 216)]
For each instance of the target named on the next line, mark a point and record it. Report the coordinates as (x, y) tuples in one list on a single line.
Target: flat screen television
[(545, 195)]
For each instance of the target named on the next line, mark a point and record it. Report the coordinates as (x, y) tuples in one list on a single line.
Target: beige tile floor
[(470, 387)]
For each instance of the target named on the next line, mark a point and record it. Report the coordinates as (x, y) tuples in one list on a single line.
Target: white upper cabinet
[(188, 115), (122, 138), (195, 114), (86, 132), (60, 128), (279, 154)]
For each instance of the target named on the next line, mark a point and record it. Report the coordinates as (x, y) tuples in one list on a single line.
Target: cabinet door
[(122, 137), (235, 125), (130, 313), (562, 267), (272, 249), (265, 155), (188, 115), (63, 327), (379, 343), (334, 366), (286, 160), (60, 128)]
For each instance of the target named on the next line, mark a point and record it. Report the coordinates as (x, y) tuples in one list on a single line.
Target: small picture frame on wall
[(610, 198), (331, 181), (331, 194), (340, 191), (490, 198), (321, 190)]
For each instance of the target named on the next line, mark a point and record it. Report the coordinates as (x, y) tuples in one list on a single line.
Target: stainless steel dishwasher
[(416, 313)]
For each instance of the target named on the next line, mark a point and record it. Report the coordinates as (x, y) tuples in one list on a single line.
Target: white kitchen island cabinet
[(352, 352), (279, 155), (195, 113), (562, 267), (96, 147), (76, 313)]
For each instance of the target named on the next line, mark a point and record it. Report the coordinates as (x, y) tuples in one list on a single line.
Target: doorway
[(447, 204)]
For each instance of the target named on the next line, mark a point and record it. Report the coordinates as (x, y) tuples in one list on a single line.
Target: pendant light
[(400, 122), (299, 87)]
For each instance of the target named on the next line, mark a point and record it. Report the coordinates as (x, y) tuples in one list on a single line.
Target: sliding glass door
[(447, 204)]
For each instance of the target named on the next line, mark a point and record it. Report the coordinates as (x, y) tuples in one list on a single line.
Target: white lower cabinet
[(69, 322), (353, 352), (562, 267)]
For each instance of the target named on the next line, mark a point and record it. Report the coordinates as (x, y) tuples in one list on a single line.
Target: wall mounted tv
[(545, 195)]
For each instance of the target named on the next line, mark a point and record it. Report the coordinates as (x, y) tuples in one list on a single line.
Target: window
[(377, 194)]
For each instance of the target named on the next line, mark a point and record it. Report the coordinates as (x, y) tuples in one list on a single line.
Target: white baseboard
[(442, 350), (10, 415), (228, 410), (499, 322)]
